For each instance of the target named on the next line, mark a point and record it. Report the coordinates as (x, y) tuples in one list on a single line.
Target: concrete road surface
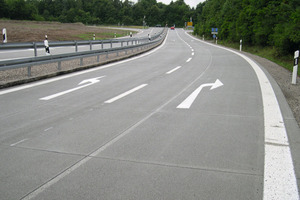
[(187, 120)]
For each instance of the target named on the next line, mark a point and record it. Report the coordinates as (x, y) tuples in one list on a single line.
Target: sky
[(191, 3)]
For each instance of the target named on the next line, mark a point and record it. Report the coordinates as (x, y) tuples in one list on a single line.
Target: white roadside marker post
[(295, 68), (241, 41), (4, 35)]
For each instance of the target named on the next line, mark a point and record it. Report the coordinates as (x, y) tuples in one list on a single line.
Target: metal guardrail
[(39, 60), (36, 45)]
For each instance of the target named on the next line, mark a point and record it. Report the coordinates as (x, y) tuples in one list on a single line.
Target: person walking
[(46, 44)]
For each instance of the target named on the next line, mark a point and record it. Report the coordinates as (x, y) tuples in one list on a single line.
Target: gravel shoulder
[(283, 77)]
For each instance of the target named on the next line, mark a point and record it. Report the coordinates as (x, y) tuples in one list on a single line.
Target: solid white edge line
[(173, 70), (125, 93), (42, 82), (279, 175)]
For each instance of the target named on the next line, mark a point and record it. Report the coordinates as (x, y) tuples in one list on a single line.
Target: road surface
[(187, 120)]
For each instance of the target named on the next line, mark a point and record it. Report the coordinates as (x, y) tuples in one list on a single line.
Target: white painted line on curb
[(279, 175), (125, 93), (173, 70)]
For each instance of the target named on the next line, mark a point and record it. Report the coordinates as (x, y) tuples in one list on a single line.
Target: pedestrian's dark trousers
[(47, 49)]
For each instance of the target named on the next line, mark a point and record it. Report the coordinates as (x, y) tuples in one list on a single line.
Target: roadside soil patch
[(33, 31)]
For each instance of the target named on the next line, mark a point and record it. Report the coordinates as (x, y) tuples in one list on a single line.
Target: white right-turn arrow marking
[(186, 104)]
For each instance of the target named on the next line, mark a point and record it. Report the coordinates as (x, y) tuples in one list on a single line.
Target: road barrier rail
[(139, 45)]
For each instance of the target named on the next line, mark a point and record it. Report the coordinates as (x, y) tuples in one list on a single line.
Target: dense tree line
[(257, 22), (97, 11)]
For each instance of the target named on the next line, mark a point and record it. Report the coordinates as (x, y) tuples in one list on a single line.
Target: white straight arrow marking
[(89, 81), (186, 104)]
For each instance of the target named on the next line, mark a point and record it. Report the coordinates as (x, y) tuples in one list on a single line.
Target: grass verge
[(102, 36), (265, 52)]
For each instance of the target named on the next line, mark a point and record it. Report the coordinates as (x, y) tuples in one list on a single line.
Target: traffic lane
[(123, 71), (86, 129), (49, 132), (23, 170), (186, 143), (25, 112), (121, 179), (231, 113)]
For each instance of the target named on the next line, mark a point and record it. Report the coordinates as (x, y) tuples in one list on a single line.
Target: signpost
[(214, 32), (190, 24), (295, 69)]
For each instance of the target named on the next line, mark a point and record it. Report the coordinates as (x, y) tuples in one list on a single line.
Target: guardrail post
[(35, 49), (98, 58), (81, 61), (59, 65), (122, 44), (101, 44), (91, 48), (111, 44), (76, 46), (29, 71)]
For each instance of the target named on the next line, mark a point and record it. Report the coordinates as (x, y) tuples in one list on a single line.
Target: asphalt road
[(187, 120)]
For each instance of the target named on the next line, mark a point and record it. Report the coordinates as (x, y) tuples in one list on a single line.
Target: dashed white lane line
[(48, 129), (14, 144), (173, 70), (188, 60), (125, 93), (279, 175)]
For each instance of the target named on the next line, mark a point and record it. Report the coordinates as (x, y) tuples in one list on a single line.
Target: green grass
[(265, 52), (101, 36), (136, 27)]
